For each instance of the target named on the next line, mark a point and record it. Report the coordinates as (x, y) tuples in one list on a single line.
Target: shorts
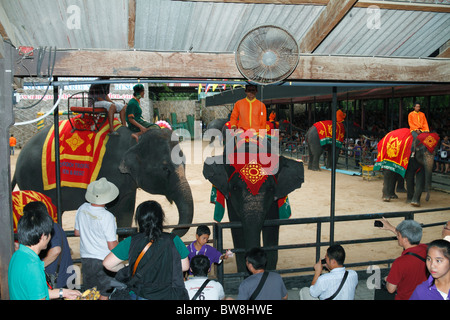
[(106, 104), (95, 275)]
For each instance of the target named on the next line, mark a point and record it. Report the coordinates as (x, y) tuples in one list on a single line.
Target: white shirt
[(212, 291), (97, 226), (328, 283)]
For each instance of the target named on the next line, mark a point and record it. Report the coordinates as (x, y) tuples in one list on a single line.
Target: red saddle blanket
[(394, 151), (325, 130), (21, 198), (81, 155)]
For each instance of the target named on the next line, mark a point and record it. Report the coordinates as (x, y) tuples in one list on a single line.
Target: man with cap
[(98, 96), (134, 119), (96, 227)]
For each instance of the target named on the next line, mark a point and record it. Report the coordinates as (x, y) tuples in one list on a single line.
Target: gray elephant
[(253, 208), (216, 128), (129, 165), (419, 166), (318, 138)]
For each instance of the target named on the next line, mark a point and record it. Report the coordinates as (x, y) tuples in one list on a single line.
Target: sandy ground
[(353, 196)]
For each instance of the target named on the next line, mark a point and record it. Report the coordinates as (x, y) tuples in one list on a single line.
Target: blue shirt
[(26, 276), (328, 283)]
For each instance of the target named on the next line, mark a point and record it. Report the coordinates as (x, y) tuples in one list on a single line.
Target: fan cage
[(267, 55)]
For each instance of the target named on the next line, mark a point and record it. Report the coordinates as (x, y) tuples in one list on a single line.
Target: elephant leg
[(410, 180), (418, 184), (389, 185), (238, 240), (271, 238), (400, 184)]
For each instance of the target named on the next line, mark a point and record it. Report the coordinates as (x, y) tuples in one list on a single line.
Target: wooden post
[(6, 120)]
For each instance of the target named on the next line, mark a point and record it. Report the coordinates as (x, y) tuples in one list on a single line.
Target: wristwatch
[(60, 293)]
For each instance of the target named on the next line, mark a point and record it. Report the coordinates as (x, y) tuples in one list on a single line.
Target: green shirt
[(122, 249), (26, 276), (133, 108)]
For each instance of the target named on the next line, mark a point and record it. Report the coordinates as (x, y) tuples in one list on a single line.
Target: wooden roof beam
[(328, 19), (171, 65)]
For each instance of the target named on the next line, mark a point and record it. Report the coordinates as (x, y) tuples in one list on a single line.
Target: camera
[(378, 223), (323, 261)]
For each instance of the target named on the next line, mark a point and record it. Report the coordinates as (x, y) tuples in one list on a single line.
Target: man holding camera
[(338, 284)]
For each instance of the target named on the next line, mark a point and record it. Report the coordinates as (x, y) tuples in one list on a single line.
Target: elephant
[(253, 209), (315, 149), (129, 165), (418, 174)]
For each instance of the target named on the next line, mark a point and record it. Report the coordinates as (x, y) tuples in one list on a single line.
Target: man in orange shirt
[(340, 115), (249, 113), (417, 120), (12, 144)]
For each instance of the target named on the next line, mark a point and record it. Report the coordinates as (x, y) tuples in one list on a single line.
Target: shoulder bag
[(340, 286), (200, 289), (260, 285), (122, 290)]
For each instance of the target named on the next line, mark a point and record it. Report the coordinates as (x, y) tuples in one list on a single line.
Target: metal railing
[(218, 228)]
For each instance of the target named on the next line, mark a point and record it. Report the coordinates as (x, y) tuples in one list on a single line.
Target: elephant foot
[(386, 199), (415, 204)]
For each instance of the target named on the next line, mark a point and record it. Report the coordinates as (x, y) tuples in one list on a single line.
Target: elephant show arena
[(354, 195)]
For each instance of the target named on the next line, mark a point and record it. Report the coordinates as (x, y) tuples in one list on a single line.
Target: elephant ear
[(290, 176), (129, 160), (214, 171)]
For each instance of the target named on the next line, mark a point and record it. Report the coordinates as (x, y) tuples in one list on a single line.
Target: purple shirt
[(212, 253), (427, 291)]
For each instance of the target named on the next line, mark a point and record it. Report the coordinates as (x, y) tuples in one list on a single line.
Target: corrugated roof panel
[(399, 33), (164, 25), (102, 23)]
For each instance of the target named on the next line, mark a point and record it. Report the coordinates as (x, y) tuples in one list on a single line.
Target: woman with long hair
[(158, 258)]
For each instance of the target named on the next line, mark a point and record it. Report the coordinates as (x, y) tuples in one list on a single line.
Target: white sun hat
[(101, 192)]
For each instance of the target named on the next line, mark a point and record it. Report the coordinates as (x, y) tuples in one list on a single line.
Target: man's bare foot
[(135, 136)]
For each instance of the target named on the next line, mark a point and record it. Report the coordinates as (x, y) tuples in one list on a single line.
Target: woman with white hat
[(97, 229)]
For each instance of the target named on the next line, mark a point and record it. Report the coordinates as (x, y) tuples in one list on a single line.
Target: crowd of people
[(156, 265)]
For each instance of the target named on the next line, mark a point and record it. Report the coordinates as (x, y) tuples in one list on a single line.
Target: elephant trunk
[(428, 167), (182, 196)]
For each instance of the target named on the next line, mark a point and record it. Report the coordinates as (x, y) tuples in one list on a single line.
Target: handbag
[(200, 289), (120, 284)]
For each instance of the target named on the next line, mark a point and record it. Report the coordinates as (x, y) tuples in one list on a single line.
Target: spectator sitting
[(26, 275), (409, 269), (272, 289), (200, 267), (325, 286)]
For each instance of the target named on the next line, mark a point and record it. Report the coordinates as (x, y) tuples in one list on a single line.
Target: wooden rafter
[(131, 23), (325, 23)]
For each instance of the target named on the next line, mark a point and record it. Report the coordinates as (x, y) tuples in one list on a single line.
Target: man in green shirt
[(134, 119), (26, 275)]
